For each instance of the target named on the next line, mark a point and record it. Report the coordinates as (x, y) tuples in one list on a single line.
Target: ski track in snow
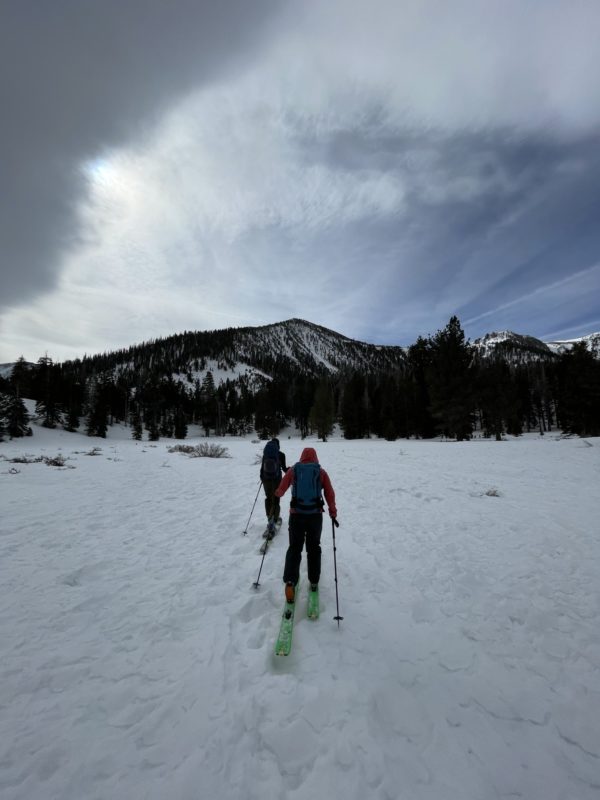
[(137, 658)]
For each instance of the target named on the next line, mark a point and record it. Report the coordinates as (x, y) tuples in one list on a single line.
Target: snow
[(137, 659), (220, 374)]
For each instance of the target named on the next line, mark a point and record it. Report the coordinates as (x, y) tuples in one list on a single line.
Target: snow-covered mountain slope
[(512, 347), (297, 346), (314, 348), (592, 342), (137, 658), (293, 347), (517, 348), (6, 369)]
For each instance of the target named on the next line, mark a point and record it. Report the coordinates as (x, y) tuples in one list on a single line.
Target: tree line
[(441, 386)]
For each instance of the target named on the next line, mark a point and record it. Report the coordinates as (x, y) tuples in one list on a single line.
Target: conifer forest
[(299, 374)]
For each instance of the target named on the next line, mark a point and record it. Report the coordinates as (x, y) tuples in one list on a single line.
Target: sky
[(374, 167)]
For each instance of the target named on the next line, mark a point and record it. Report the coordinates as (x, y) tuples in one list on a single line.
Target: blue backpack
[(306, 489), (271, 468)]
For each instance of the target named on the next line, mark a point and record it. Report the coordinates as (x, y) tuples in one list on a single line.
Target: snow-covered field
[(137, 659)]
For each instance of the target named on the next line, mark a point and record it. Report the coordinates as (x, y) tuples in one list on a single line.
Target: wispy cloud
[(544, 292)]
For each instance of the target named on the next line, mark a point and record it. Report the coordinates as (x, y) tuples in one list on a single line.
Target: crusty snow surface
[(137, 658)]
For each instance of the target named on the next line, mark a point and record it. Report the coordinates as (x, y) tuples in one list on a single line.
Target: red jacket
[(309, 456)]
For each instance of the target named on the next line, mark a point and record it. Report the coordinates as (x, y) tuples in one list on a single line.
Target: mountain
[(298, 347), (240, 379), (592, 342), (516, 348), (293, 347), (315, 349)]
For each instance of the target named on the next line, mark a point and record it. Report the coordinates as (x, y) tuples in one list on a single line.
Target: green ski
[(313, 603), (286, 629)]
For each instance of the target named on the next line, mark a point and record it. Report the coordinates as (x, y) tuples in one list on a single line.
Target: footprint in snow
[(252, 609)]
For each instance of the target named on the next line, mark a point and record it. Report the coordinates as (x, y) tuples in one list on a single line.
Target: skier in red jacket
[(307, 479)]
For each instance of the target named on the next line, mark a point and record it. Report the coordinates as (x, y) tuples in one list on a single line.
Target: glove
[(334, 520)]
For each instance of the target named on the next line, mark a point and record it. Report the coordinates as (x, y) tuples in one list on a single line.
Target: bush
[(56, 461), (202, 450), (492, 493)]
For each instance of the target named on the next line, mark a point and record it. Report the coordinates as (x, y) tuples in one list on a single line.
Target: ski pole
[(335, 524), (256, 583), (252, 512)]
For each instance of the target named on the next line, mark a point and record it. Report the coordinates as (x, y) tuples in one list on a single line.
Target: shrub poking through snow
[(56, 461), (202, 450)]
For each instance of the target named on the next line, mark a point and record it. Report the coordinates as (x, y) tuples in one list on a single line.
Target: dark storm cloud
[(79, 77)]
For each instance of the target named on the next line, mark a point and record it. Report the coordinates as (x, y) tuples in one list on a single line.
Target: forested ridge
[(239, 380)]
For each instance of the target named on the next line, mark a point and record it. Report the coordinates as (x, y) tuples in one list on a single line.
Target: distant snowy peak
[(513, 347), (517, 348), (592, 341)]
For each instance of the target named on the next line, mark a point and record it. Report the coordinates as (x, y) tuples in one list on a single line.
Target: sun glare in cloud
[(99, 170)]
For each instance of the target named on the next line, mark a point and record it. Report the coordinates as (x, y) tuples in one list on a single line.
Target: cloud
[(372, 167), (558, 290), (460, 64), (77, 79)]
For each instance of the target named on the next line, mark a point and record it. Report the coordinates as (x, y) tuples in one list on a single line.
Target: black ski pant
[(304, 528), (271, 501)]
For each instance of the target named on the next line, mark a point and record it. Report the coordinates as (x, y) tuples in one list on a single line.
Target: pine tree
[(136, 424), (497, 398), (153, 432), (302, 396), (3, 408), (266, 419), (15, 416), (72, 421), (181, 428), (387, 404), (208, 403), (579, 392), (97, 416), (322, 414), (419, 419), (354, 412), (22, 378), (47, 405), (451, 379), (166, 425)]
